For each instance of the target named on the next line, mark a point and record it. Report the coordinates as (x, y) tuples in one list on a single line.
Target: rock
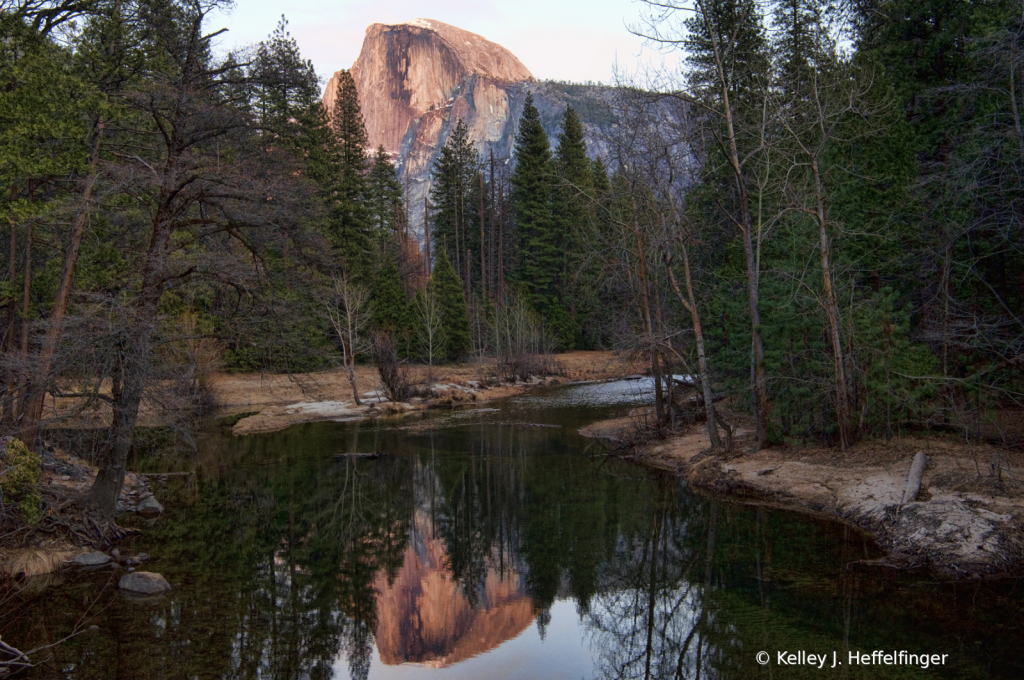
[(91, 559), (94, 627), (149, 507), (144, 582), (65, 478), (115, 553), (416, 80), (142, 557), (405, 70)]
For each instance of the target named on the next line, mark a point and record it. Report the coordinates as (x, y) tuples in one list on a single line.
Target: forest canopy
[(819, 219)]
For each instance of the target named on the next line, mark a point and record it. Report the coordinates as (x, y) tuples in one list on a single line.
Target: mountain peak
[(404, 70)]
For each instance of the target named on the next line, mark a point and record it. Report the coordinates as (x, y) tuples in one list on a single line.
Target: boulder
[(91, 559), (144, 583), (149, 507)]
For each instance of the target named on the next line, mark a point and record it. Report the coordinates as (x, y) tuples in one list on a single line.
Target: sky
[(571, 40)]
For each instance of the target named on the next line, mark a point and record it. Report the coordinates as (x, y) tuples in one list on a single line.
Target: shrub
[(21, 471)]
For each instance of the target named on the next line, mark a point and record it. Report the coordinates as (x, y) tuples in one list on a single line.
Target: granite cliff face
[(406, 70), (416, 80)]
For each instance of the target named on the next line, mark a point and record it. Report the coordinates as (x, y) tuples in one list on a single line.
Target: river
[(496, 543)]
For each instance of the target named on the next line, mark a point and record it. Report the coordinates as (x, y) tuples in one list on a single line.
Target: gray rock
[(144, 582), (149, 506), (142, 557), (91, 559)]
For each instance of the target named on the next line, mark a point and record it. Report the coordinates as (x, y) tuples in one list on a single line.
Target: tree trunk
[(690, 303), (34, 405), (842, 391), (659, 405), (133, 370), (762, 407)]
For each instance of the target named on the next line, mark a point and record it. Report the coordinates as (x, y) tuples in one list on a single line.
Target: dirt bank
[(967, 522), (278, 401)]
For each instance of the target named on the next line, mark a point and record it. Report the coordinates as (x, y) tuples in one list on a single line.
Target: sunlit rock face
[(416, 80), (405, 70), (424, 617)]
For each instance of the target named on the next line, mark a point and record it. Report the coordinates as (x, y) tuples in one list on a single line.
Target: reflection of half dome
[(423, 616)]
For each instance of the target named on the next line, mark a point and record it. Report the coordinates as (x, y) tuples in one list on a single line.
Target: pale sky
[(556, 39)]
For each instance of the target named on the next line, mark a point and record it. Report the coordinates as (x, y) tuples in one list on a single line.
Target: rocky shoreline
[(963, 525)]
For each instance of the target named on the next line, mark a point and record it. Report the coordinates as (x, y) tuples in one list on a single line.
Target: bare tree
[(728, 90), (518, 338), (430, 321), (347, 307)]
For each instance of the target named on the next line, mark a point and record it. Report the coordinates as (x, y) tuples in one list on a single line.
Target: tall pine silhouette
[(447, 286), (349, 215), (539, 263)]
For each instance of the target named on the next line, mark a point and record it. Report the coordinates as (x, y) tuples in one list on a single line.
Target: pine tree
[(538, 262), (570, 199), (349, 215), (389, 309), (384, 196), (728, 71), (284, 85), (798, 31), (454, 196), (733, 29), (448, 287)]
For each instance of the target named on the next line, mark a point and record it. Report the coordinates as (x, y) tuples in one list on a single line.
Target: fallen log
[(369, 456), (914, 478)]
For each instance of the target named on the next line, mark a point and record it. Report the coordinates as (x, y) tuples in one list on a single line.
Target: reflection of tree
[(506, 503), (650, 619), (282, 556)]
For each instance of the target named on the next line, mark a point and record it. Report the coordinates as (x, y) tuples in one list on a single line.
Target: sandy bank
[(967, 522), (280, 401)]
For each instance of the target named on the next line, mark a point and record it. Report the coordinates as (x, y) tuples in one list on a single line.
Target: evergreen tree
[(798, 30), (454, 196), (350, 219), (570, 211), (539, 264), (734, 30), (728, 72), (384, 197), (389, 309), (284, 85), (448, 287)]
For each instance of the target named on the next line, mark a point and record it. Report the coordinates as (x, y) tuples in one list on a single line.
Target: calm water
[(494, 543)]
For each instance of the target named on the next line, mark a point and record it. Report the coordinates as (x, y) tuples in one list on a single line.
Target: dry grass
[(30, 562)]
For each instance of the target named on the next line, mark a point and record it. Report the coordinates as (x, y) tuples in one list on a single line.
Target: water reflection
[(486, 549)]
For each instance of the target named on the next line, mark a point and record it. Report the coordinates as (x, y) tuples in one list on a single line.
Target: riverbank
[(967, 521), (274, 402)]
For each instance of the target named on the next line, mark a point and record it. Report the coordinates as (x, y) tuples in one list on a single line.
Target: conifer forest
[(798, 250)]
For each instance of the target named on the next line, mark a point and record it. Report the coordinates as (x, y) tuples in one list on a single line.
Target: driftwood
[(12, 660), (369, 456), (914, 478)]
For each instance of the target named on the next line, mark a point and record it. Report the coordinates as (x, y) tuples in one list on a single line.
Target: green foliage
[(20, 474), (42, 129), (734, 29), (349, 214), (571, 200), (384, 197), (455, 201), (389, 310), (285, 86), (448, 287), (540, 264)]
